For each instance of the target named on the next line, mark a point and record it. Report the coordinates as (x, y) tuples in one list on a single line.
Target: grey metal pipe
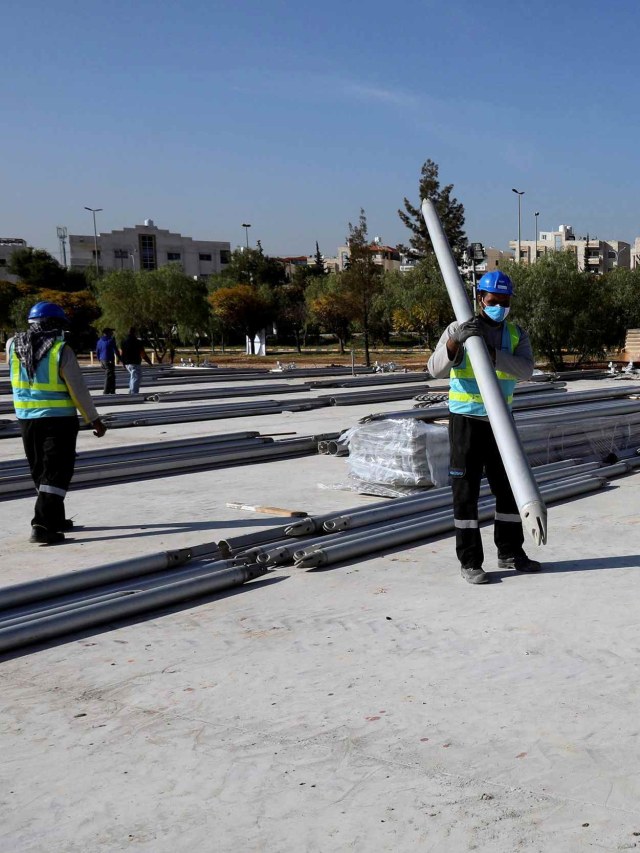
[(57, 625), (70, 582), (388, 539), (523, 485)]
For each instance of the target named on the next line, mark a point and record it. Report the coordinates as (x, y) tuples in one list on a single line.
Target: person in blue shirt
[(107, 351)]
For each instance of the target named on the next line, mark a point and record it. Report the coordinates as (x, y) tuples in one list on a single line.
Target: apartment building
[(596, 256), (147, 247)]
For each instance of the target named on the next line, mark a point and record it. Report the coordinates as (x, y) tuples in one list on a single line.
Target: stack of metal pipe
[(164, 458), (335, 537), (50, 608)]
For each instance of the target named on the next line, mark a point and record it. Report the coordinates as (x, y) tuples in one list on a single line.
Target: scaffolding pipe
[(70, 582), (91, 615), (389, 538)]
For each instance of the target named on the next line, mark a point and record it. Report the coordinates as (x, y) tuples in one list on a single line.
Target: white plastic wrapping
[(600, 438), (401, 452)]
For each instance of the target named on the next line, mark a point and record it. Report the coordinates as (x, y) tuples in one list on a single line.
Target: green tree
[(565, 311), (157, 302), (332, 306), (250, 266), (37, 268), (243, 307), (362, 280), (450, 211), (419, 301)]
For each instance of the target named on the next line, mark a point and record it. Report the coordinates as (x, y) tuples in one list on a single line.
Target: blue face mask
[(497, 313)]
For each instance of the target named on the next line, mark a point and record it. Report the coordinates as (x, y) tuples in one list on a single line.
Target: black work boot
[(521, 563), (474, 574), (42, 536)]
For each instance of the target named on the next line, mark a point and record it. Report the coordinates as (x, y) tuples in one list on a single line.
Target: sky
[(292, 116)]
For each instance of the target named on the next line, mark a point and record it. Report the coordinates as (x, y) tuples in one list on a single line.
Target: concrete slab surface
[(381, 705)]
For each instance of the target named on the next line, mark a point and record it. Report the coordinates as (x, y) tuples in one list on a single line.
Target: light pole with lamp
[(536, 215), (519, 193), (246, 226), (95, 210)]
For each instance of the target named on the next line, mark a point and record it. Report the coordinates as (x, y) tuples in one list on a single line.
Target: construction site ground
[(380, 705)]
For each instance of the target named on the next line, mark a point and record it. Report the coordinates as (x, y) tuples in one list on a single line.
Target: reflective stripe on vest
[(47, 396), (464, 395)]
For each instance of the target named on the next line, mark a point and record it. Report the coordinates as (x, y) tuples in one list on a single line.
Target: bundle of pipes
[(54, 607), (161, 459), (374, 379), (609, 399), (117, 420), (419, 517)]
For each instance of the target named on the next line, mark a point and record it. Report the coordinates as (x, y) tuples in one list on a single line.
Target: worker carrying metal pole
[(483, 356), (47, 389)]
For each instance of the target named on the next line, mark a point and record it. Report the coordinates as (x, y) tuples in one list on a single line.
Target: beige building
[(386, 257), (598, 256), (8, 246), (147, 247)]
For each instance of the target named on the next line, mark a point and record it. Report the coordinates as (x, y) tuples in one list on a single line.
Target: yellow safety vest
[(48, 395), (464, 394)]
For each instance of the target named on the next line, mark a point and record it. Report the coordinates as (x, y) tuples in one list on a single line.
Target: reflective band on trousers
[(464, 394), (505, 516), (52, 490), (465, 522)]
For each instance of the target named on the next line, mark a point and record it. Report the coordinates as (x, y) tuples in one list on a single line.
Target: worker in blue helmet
[(48, 388), (474, 451)]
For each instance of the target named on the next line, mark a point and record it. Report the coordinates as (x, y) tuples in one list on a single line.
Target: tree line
[(567, 312)]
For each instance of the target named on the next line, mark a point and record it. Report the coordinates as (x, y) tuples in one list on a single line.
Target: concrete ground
[(382, 705)]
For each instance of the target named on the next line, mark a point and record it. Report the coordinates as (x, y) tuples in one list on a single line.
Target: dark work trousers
[(110, 377), (474, 452), (50, 446)]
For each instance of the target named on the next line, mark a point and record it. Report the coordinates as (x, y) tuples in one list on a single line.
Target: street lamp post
[(95, 210), (246, 226), (536, 215), (519, 193)]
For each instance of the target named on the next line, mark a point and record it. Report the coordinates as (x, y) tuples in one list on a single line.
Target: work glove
[(466, 330)]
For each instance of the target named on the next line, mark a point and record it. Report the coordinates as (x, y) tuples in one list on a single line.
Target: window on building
[(93, 253), (3, 262), (173, 256), (148, 252), (205, 256), (225, 256)]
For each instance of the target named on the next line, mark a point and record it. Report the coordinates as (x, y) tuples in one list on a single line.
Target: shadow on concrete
[(590, 564), (115, 624)]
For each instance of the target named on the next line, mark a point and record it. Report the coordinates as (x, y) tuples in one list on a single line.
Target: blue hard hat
[(46, 310), (496, 282)]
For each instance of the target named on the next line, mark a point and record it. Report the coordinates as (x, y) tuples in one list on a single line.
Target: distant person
[(47, 389), (133, 354), (107, 352), (474, 450)]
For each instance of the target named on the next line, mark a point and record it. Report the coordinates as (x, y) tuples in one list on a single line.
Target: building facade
[(147, 247), (8, 245), (596, 256)]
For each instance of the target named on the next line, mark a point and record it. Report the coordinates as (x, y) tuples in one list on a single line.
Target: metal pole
[(246, 226), (519, 193), (536, 215), (137, 602), (525, 490), (93, 211)]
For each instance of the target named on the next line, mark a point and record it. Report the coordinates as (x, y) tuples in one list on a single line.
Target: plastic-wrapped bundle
[(598, 437), (399, 453)]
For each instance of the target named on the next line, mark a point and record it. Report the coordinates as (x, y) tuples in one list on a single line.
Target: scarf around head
[(32, 346)]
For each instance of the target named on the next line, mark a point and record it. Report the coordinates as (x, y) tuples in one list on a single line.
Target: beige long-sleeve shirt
[(71, 373), (518, 364)]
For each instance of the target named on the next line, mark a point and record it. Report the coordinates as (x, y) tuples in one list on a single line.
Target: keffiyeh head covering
[(32, 346)]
